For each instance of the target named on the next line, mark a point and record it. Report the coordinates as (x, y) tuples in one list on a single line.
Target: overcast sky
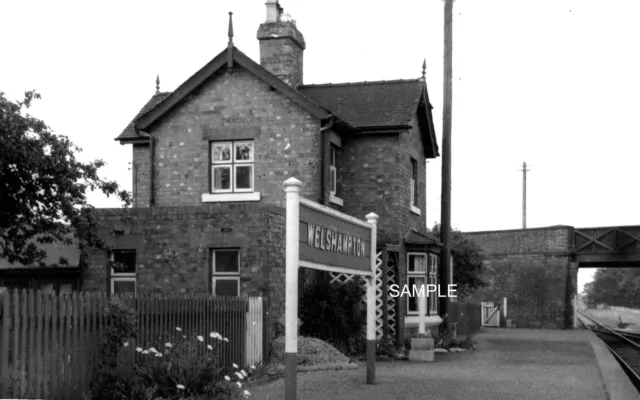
[(554, 83)]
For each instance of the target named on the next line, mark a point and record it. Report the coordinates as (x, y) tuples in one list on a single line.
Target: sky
[(552, 83)]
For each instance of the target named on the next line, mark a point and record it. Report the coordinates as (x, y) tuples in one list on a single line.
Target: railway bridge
[(536, 269)]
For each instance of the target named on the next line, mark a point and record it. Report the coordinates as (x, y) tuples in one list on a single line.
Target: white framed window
[(225, 272), (232, 166), (434, 267), (416, 277), (333, 178), (122, 272), (413, 183)]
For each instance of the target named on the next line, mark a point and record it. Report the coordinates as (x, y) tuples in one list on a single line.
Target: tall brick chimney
[(281, 45)]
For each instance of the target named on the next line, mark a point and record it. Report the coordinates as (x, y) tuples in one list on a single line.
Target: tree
[(614, 286), (468, 262), (43, 187)]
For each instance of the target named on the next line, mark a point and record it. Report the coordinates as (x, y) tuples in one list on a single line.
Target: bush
[(311, 351), (112, 379), (336, 314)]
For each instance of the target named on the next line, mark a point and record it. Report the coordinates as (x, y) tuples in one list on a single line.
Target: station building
[(210, 159)]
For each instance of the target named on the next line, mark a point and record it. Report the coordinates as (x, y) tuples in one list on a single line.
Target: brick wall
[(411, 147), (141, 173), (368, 180), (173, 248), (232, 106), (532, 268)]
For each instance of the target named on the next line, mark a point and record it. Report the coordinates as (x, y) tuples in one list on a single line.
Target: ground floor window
[(416, 274), (225, 272), (123, 272)]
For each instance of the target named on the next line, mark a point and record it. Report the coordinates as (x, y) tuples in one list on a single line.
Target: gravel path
[(510, 364)]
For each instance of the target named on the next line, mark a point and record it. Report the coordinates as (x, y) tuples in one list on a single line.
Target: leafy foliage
[(615, 287), (468, 262), (43, 187), (336, 314)]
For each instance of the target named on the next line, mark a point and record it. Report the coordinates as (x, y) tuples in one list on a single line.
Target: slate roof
[(129, 132), (54, 252), (362, 104)]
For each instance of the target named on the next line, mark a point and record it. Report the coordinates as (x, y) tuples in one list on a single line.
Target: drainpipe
[(152, 146)]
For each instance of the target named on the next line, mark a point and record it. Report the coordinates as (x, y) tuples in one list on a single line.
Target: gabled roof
[(379, 105), (160, 105), (363, 104), (129, 133)]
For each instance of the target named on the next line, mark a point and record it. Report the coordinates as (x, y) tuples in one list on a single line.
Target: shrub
[(386, 346), (311, 351), (180, 370), (111, 379), (336, 314)]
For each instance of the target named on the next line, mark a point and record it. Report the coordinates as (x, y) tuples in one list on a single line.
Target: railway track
[(624, 346)]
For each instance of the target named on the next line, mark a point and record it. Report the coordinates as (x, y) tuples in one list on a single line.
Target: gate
[(490, 314)]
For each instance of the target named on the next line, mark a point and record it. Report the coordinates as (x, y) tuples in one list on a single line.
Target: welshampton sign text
[(331, 240)]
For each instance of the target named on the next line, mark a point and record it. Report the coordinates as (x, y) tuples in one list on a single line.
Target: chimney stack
[(281, 45)]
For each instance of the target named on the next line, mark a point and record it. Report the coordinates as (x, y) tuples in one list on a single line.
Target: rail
[(627, 338)]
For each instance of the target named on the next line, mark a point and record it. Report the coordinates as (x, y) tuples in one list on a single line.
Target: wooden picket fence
[(50, 344)]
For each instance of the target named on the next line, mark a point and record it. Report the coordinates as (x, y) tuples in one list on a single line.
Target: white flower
[(200, 338), (225, 339), (178, 329), (169, 345), (243, 373), (239, 375), (145, 352), (239, 384), (235, 365), (226, 378), (246, 393), (153, 350), (215, 335), (158, 354), (126, 344), (180, 387), (184, 336), (138, 349), (210, 347), (253, 367)]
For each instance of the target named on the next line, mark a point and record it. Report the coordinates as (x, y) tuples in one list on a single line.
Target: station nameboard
[(333, 241)]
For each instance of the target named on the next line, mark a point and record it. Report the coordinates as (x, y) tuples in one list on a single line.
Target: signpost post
[(321, 238)]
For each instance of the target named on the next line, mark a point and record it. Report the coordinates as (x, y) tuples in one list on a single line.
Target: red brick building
[(210, 159)]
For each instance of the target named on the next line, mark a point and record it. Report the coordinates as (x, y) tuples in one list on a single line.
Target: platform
[(508, 364)]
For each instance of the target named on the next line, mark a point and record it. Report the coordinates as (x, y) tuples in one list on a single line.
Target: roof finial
[(424, 68), (158, 84), (230, 29)]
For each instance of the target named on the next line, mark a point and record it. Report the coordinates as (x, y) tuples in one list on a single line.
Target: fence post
[(4, 343)]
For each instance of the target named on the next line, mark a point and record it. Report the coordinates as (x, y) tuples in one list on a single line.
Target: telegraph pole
[(446, 277), (524, 195)]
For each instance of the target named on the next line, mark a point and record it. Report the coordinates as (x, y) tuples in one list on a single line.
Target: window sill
[(430, 321), (230, 197), (415, 210), (336, 200)]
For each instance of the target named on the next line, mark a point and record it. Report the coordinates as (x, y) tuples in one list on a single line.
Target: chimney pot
[(273, 11)]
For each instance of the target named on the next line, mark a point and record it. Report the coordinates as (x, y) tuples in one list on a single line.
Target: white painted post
[(372, 218), (504, 299), (292, 190), (422, 306)]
